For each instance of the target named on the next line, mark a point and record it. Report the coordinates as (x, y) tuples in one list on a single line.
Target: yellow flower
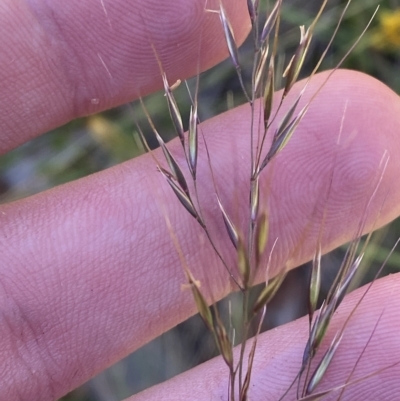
[(387, 35)]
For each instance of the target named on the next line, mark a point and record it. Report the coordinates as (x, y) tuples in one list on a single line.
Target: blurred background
[(97, 142)]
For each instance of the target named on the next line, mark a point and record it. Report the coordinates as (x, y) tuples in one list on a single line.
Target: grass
[(99, 133), (250, 242)]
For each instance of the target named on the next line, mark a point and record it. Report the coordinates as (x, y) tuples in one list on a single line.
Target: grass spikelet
[(343, 270), (270, 22), (230, 227), (182, 196), (340, 292), (254, 199), (261, 236), (252, 8), (264, 53), (232, 48), (269, 291), (224, 343), (283, 133), (289, 115), (317, 333), (315, 283), (296, 63), (323, 365), (269, 94), (325, 314), (321, 326), (201, 304), (193, 140), (293, 69), (229, 37), (176, 171), (173, 110), (281, 139)]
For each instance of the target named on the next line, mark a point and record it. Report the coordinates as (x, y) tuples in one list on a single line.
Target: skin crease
[(89, 270)]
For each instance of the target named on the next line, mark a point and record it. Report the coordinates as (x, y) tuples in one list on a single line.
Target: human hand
[(89, 271)]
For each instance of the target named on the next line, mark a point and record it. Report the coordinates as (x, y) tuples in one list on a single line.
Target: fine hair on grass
[(248, 251)]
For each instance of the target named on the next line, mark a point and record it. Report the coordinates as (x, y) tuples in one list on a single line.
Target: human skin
[(89, 271)]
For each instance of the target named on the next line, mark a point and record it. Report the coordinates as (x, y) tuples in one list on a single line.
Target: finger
[(370, 345), (68, 59), (90, 272)]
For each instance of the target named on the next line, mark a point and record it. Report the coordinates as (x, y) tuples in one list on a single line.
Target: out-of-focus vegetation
[(98, 142)]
